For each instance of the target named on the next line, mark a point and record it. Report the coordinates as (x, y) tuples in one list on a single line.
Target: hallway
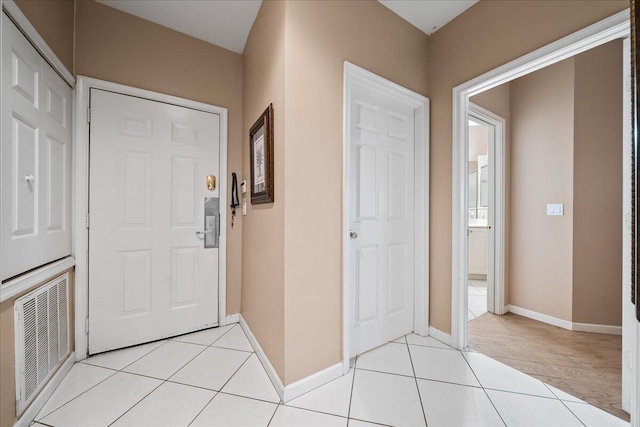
[(214, 378)]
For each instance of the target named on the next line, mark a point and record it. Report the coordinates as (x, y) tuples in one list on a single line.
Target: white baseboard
[(441, 336), (232, 318), (38, 403), (544, 318), (597, 329), (299, 387), (262, 356), (565, 324), (313, 381)]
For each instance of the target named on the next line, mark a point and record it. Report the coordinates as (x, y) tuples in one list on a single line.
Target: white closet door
[(36, 157), (381, 208)]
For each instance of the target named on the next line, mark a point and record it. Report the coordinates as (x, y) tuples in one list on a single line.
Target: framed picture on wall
[(261, 146)]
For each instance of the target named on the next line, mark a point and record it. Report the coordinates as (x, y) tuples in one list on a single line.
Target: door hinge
[(88, 114), (87, 219), (86, 326)]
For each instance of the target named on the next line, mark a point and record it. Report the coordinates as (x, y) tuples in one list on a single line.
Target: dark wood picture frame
[(261, 147)]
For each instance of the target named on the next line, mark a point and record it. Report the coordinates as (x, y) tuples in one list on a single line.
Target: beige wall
[(321, 35), (597, 177), (114, 46), (489, 34), (263, 233), (54, 21), (7, 352), (541, 246)]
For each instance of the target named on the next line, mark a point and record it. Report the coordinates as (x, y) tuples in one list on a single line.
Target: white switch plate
[(555, 209), (244, 207)]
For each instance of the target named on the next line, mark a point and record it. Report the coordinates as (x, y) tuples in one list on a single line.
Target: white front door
[(381, 218), (150, 276)]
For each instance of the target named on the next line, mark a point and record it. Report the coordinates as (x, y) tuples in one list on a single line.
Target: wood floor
[(586, 365)]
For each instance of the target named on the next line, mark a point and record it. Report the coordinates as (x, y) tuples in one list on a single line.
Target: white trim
[(81, 189), (565, 324), (540, 317), (353, 73), (440, 336), (614, 27), (299, 387), (232, 318), (23, 24), (597, 329), (38, 403), (497, 214), (312, 382), (262, 356), (22, 283)]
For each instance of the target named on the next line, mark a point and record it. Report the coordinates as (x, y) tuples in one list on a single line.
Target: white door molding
[(497, 214), (353, 74), (81, 194), (614, 27)]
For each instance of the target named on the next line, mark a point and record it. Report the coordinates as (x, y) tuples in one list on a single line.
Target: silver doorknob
[(353, 234)]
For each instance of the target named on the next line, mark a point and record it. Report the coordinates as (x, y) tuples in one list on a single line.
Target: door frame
[(608, 29), (354, 74), (497, 214), (80, 196)]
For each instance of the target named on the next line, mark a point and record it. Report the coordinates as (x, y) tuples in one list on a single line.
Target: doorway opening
[(561, 208)]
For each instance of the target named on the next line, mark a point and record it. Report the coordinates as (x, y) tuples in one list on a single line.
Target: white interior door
[(36, 157), (381, 217), (150, 275)]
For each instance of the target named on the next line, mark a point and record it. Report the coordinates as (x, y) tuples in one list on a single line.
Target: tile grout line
[(564, 404), (218, 339), (71, 400), (353, 381), (483, 389), (203, 408), (424, 413), (273, 415), (136, 404), (421, 378)]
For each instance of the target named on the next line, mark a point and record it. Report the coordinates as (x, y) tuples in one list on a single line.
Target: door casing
[(80, 197), (353, 73)]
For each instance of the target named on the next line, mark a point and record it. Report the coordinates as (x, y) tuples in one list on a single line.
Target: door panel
[(35, 157), (381, 197), (148, 168)]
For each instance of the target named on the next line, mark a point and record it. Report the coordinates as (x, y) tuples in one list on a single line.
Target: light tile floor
[(477, 294), (214, 378)]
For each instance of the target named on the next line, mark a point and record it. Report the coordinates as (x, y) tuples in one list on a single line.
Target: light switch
[(555, 209)]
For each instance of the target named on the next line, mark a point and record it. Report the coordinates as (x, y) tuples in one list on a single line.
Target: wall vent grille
[(42, 337)]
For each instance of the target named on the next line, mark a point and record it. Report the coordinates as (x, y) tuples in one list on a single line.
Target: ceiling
[(227, 23), (428, 15)]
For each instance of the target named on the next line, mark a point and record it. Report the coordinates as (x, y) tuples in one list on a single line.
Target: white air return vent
[(42, 337)]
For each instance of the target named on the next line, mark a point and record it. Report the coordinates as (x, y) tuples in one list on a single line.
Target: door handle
[(201, 234), (353, 234)]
